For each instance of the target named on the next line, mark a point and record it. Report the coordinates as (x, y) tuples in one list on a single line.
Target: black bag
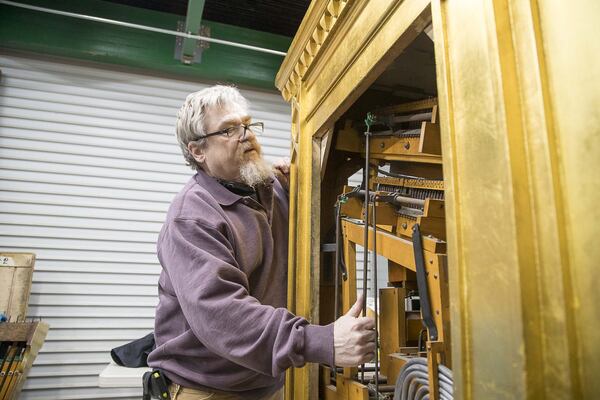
[(134, 354)]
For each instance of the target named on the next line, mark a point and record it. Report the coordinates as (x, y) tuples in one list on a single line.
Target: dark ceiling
[(275, 16)]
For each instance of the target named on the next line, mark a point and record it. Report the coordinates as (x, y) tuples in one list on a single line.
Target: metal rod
[(401, 200), (394, 198), (366, 233), (142, 27), (386, 388), (337, 261), (375, 295)]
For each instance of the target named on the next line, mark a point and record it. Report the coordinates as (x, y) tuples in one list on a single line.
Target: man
[(222, 330)]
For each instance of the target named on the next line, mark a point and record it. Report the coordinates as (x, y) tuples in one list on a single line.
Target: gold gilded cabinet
[(519, 106)]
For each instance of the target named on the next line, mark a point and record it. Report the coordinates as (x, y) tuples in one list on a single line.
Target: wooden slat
[(395, 363), (331, 392), (430, 140), (386, 214), (414, 325), (341, 386), (357, 391), (437, 283), (428, 226), (408, 107), (434, 208), (392, 323), (398, 274), (389, 246), (386, 147), (17, 331)]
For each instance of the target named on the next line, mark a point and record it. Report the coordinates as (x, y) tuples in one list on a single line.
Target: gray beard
[(256, 172)]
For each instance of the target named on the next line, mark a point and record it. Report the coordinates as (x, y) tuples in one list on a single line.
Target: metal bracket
[(201, 45)]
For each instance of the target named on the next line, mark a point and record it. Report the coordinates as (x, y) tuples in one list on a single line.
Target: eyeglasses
[(239, 131)]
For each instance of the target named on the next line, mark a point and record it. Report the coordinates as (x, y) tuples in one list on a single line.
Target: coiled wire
[(413, 381)]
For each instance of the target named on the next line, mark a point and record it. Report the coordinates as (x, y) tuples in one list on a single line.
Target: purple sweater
[(221, 321)]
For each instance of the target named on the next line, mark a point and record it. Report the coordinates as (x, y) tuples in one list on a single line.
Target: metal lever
[(368, 121), (426, 314), (376, 296)]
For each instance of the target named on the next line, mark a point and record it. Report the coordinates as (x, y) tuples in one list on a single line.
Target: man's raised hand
[(354, 337)]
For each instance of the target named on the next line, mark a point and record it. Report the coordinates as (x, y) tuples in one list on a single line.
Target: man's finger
[(355, 310), (367, 358), (367, 336), (366, 322), (369, 347)]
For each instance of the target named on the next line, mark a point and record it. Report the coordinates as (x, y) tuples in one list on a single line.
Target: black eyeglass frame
[(227, 131)]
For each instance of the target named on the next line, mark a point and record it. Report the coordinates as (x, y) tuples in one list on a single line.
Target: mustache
[(247, 146)]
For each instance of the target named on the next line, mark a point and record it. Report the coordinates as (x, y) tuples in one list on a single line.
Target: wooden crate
[(16, 270)]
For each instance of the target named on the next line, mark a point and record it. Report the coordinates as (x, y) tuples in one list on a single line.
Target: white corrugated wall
[(382, 263), (88, 166)]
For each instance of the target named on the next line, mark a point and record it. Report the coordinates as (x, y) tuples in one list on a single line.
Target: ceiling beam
[(149, 52)]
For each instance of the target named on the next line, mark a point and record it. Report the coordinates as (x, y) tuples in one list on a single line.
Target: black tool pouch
[(155, 385)]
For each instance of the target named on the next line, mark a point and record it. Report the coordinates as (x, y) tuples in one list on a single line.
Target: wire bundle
[(413, 381)]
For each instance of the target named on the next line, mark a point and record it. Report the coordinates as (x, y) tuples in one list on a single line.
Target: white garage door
[(88, 166)]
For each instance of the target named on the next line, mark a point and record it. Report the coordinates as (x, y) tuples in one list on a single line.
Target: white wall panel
[(88, 166), (57, 188), (382, 264)]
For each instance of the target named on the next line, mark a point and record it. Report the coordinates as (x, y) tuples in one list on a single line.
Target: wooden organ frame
[(520, 192)]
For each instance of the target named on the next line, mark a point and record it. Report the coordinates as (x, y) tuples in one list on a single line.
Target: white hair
[(190, 118)]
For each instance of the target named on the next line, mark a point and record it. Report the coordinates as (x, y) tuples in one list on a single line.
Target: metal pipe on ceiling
[(142, 27)]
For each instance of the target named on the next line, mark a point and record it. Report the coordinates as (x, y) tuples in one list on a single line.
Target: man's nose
[(247, 134)]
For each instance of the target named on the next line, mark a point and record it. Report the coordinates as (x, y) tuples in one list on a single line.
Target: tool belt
[(155, 385)]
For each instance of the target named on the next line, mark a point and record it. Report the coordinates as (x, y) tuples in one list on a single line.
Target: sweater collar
[(224, 196)]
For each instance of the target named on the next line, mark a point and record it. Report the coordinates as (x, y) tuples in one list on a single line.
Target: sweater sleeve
[(213, 294)]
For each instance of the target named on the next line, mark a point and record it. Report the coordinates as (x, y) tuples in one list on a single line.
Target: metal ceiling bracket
[(196, 56), (189, 50)]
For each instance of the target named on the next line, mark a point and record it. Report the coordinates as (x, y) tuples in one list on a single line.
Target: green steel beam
[(193, 21), (46, 34)]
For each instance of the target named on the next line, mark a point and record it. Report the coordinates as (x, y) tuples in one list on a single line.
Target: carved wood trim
[(317, 25)]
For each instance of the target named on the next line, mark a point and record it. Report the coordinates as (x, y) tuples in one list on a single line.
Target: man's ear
[(197, 152)]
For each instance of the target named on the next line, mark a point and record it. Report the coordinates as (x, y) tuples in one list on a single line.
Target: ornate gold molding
[(318, 23)]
